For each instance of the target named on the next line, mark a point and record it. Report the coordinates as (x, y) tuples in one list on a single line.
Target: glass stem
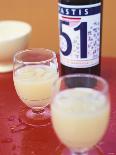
[(38, 111), (79, 153)]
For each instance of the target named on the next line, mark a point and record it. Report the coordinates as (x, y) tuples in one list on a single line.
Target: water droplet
[(20, 121), (14, 154), (11, 118), (6, 140), (33, 153), (18, 128), (101, 143), (14, 147)]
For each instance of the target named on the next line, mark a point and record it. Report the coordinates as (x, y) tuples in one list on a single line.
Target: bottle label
[(79, 35)]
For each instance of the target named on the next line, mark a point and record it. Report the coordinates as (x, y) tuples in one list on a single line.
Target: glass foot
[(94, 151), (31, 118)]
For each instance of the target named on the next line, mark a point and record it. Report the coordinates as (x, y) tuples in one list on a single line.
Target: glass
[(80, 112), (34, 72)]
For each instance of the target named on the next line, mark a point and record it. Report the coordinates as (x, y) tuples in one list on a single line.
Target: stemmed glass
[(34, 72), (80, 112)]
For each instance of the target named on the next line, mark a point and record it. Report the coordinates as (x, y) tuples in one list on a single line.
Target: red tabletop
[(16, 139)]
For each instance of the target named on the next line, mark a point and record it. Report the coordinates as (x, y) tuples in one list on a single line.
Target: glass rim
[(101, 79), (30, 49)]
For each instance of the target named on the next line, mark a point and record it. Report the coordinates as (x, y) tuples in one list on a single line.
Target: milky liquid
[(34, 84), (80, 117)]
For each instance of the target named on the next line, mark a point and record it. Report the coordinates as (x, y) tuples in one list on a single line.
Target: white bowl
[(14, 36)]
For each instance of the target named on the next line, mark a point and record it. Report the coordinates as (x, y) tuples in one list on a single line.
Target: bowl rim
[(29, 29)]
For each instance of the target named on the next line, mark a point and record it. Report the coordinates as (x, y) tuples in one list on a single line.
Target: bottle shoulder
[(79, 2)]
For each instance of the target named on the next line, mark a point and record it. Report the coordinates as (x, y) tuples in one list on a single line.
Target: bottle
[(80, 26)]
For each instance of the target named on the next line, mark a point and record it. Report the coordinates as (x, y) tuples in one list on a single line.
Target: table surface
[(17, 139)]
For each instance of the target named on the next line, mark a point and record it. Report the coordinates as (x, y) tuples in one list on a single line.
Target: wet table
[(17, 139)]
